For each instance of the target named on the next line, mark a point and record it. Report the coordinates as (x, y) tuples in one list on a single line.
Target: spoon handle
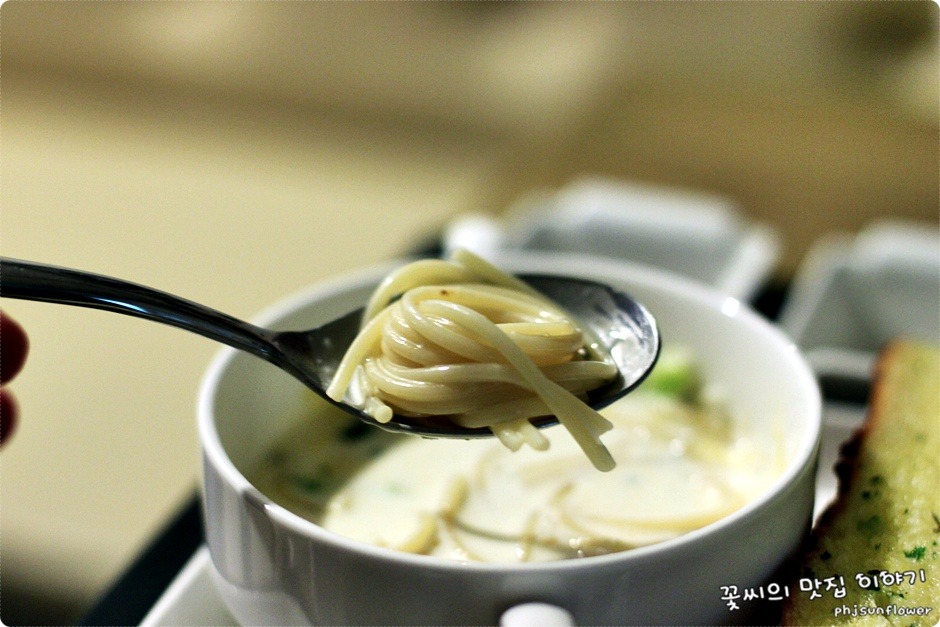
[(28, 280)]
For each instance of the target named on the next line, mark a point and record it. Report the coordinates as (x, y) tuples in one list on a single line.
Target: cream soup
[(681, 463)]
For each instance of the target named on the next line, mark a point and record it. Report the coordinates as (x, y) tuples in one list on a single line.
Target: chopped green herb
[(888, 592), (277, 456), (876, 480), (316, 482), (356, 431), (871, 526), (675, 375), (916, 554), (825, 555), (309, 484)]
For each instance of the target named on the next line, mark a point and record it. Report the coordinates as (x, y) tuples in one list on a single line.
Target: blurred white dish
[(699, 236), (851, 295)]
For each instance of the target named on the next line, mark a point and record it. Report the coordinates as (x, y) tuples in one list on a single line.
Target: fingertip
[(14, 346), (8, 416)]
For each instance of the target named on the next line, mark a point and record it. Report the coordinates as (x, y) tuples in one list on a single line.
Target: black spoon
[(622, 326)]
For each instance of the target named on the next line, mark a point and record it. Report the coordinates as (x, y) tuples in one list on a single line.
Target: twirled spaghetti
[(460, 340)]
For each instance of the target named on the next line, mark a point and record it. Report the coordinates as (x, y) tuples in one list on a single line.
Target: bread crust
[(884, 518)]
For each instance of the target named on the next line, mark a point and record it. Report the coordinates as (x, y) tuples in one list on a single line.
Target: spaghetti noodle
[(462, 341)]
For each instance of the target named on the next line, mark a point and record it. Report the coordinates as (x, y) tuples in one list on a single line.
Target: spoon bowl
[(622, 326)]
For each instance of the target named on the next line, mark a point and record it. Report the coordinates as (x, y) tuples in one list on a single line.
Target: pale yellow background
[(235, 152)]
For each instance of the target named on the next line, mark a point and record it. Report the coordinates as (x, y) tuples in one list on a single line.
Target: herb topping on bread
[(881, 536)]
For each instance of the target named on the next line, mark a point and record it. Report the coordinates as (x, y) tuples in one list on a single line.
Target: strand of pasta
[(415, 274), (584, 424), (478, 346), (555, 345)]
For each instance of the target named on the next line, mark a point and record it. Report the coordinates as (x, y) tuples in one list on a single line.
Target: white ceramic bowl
[(273, 567)]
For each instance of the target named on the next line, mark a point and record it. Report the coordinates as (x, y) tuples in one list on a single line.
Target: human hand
[(14, 345)]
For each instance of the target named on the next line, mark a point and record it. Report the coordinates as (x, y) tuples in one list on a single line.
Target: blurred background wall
[(234, 152)]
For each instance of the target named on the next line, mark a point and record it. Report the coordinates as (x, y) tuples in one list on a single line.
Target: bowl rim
[(802, 461)]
